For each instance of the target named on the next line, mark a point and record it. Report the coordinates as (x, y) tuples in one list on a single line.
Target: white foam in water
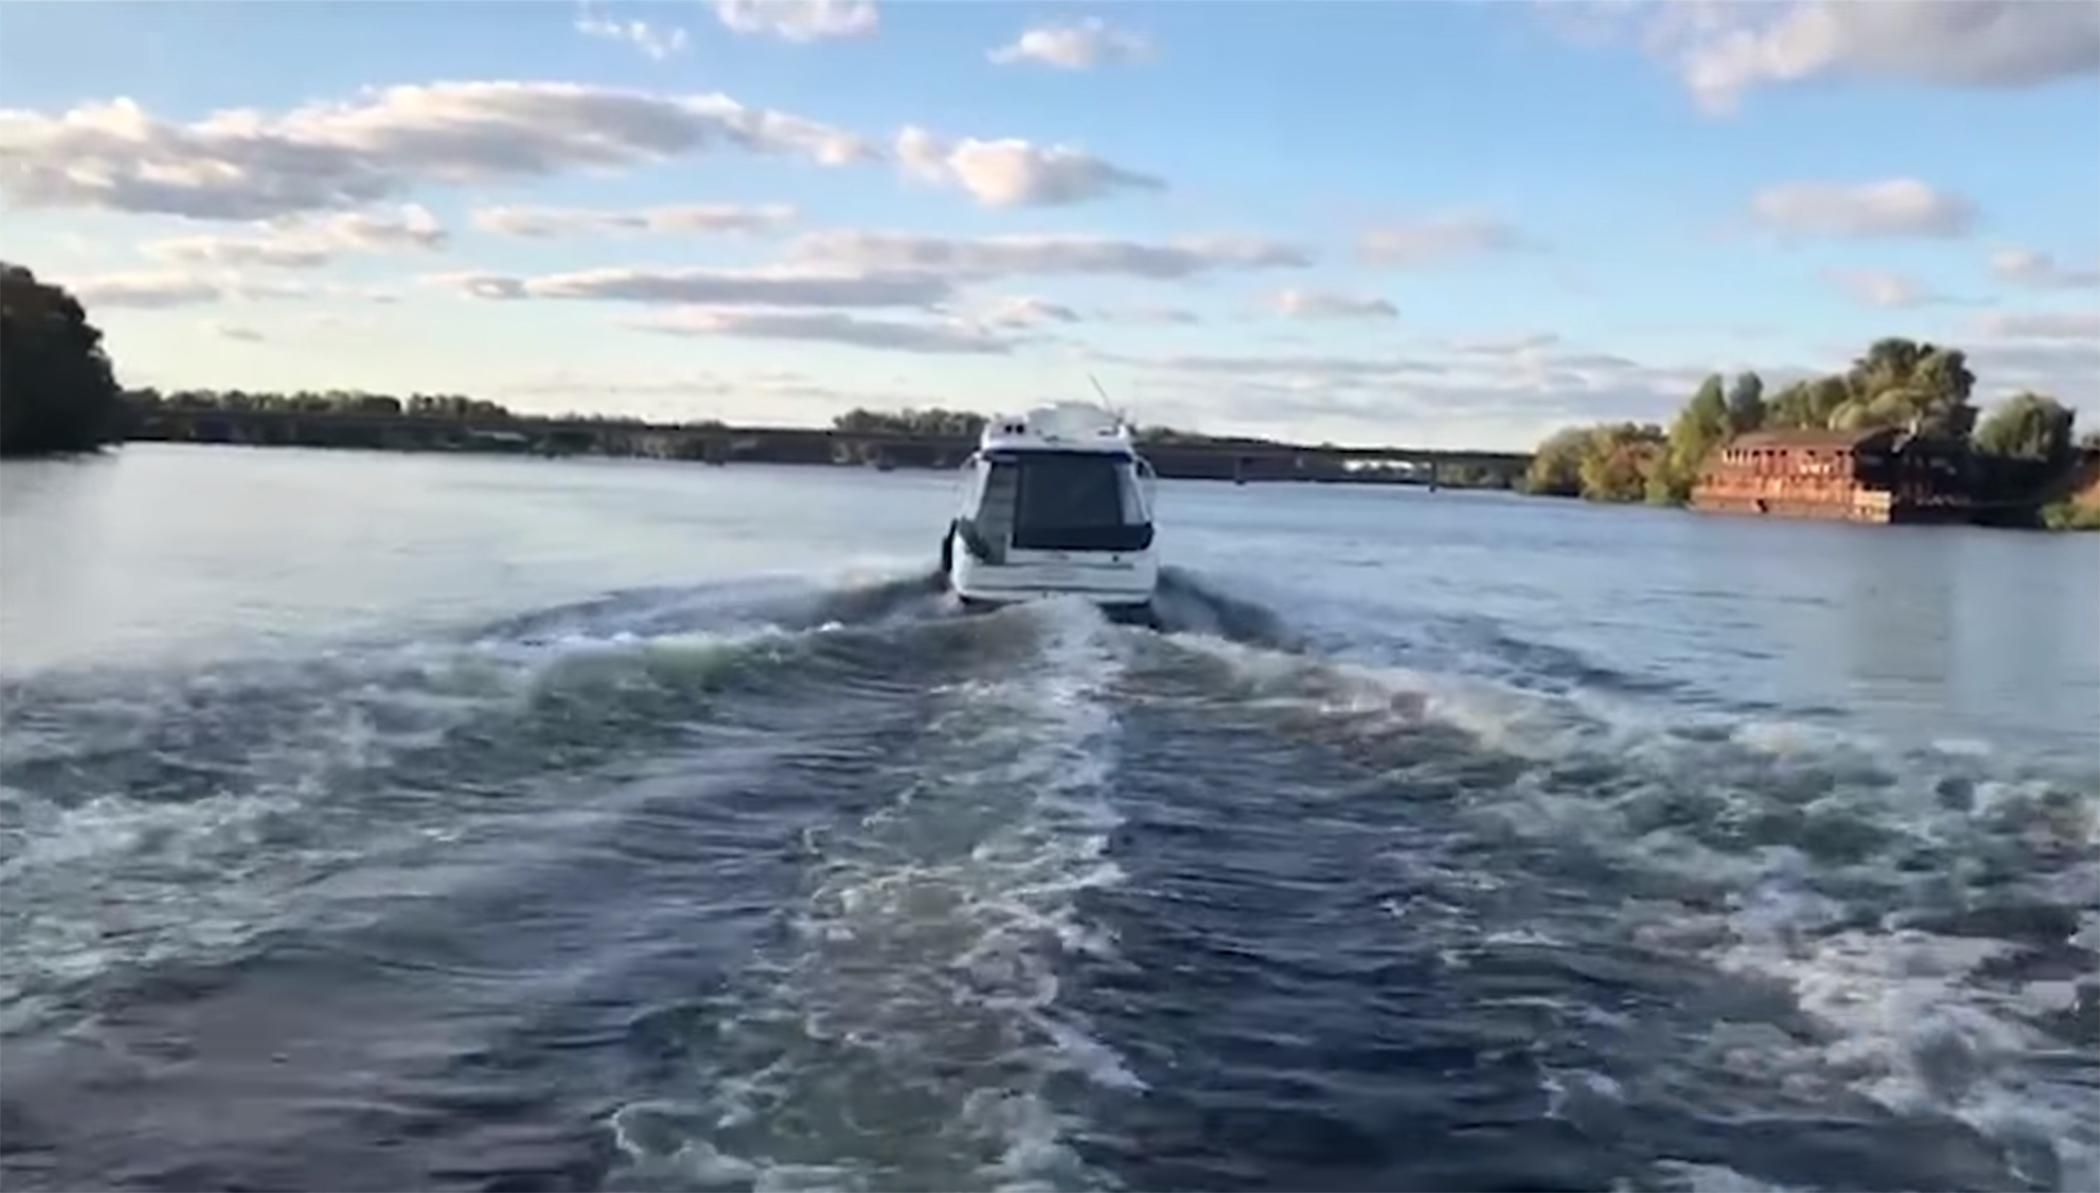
[(105, 879), (1712, 1178), (1915, 1024), (1918, 1034), (914, 1024)]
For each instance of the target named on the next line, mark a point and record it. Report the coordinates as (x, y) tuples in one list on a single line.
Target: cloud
[(1321, 304), (1163, 315), (2065, 368), (1438, 239), (236, 331), (1880, 288), (475, 284), (1010, 255), (244, 164), (270, 251), (830, 327), (2043, 325), (1019, 311), (773, 286), (295, 243), (702, 218), (1722, 51), (1332, 368), (657, 44), (1013, 172), (799, 20), (410, 226), (1508, 345), (2027, 267), (167, 288), (1081, 46), (1893, 207), (1505, 398)]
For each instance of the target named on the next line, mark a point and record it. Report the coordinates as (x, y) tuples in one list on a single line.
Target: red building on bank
[(1882, 475)]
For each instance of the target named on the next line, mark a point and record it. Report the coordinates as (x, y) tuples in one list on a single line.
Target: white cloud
[(1509, 345), (272, 251), (1022, 311), (1081, 46), (166, 288), (1322, 304), (2044, 325), (1880, 288), (244, 164), (1723, 50), (830, 327), (699, 218), (476, 284), (2027, 267), (656, 43), (235, 331), (1308, 365), (295, 243), (410, 226), (1013, 172), (800, 20), (1892, 207), (1164, 315), (773, 286), (1008, 255), (1438, 239), (2065, 368)]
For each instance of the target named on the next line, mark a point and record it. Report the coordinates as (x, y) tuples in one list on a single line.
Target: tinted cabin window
[(1079, 503), (995, 509)]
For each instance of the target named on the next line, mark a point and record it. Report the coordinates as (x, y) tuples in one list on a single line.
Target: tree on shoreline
[(1896, 383), (2028, 426), (57, 393)]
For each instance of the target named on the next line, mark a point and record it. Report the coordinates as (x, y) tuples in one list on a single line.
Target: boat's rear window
[(1080, 503)]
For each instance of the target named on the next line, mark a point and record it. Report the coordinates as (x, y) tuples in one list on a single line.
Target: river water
[(384, 821)]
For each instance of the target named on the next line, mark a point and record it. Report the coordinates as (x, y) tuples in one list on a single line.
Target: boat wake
[(788, 884)]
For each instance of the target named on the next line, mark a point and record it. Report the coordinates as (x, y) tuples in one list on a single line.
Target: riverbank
[(1183, 458)]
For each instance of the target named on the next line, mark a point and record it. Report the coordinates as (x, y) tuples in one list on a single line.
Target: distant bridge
[(714, 443)]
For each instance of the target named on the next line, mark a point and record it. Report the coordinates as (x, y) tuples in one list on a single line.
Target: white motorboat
[(1056, 502)]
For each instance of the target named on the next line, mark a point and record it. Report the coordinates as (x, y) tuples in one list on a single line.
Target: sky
[(1420, 224)]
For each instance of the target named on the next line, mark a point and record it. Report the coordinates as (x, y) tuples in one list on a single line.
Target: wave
[(1930, 909), (907, 1030), (944, 805), (187, 806)]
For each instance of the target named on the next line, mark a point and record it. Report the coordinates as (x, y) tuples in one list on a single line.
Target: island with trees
[(2020, 463)]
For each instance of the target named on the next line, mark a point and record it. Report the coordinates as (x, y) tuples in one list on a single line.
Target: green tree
[(1618, 459), (936, 421), (1556, 467), (57, 393), (2027, 426), (1901, 382), (1703, 425), (1807, 405), (1746, 403)]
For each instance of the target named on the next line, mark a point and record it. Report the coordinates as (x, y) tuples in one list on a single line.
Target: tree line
[(1896, 383), (306, 401), (933, 422)]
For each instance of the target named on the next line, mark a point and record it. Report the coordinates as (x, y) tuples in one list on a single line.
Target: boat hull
[(1112, 579)]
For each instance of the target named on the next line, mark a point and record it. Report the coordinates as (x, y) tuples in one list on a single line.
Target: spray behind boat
[(1055, 502)]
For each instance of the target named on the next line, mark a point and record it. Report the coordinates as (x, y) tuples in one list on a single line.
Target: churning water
[(386, 822)]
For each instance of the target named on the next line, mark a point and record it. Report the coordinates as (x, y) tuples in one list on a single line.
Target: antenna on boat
[(1122, 416)]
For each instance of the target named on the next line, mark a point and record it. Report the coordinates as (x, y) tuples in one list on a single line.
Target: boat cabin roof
[(1066, 427)]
